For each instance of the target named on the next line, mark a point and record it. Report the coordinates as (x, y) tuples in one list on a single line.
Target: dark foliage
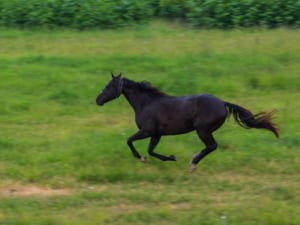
[(83, 14)]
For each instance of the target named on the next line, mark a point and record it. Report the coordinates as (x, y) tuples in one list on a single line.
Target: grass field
[(63, 160)]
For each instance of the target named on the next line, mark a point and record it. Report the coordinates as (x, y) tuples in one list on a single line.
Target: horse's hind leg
[(153, 142), (210, 145)]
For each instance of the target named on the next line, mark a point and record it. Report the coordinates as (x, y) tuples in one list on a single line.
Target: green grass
[(53, 135)]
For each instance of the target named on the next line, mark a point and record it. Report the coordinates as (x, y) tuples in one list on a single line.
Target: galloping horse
[(158, 114)]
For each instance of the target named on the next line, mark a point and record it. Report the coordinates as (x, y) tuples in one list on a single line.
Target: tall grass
[(52, 134)]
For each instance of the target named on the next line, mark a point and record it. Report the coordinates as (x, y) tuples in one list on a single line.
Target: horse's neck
[(136, 98)]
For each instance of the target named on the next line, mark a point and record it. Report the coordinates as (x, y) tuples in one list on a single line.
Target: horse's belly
[(175, 127)]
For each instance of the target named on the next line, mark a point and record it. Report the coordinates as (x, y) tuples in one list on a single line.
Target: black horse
[(158, 114)]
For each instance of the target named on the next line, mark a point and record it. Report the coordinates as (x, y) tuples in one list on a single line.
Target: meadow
[(64, 160)]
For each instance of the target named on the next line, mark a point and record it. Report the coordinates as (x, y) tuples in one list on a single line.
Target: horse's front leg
[(137, 136), (153, 142)]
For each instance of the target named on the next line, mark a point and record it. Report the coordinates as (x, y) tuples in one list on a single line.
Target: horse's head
[(112, 90)]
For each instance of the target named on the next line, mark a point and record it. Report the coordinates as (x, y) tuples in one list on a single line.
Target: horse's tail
[(246, 119)]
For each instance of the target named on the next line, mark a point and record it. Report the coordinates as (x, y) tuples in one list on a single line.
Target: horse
[(158, 114)]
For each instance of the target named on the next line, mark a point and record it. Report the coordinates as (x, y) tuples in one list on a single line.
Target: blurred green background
[(84, 14), (64, 160)]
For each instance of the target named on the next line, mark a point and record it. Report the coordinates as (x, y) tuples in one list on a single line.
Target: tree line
[(83, 14)]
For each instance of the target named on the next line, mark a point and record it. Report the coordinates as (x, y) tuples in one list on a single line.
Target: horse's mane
[(146, 87)]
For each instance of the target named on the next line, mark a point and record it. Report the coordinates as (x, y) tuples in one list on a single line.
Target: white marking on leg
[(143, 159), (193, 167)]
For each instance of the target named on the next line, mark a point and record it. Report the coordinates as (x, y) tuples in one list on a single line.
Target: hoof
[(143, 159), (193, 167), (172, 157)]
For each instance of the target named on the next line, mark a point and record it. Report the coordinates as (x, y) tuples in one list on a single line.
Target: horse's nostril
[(99, 102)]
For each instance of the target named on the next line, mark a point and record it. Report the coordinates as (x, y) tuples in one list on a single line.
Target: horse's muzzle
[(99, 102)]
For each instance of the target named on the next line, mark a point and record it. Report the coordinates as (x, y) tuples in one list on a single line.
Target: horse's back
[(173, 115), (210, 103), (203, 105)]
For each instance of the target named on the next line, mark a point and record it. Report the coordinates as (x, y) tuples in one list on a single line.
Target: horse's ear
[(120, 75), (112, 75)]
